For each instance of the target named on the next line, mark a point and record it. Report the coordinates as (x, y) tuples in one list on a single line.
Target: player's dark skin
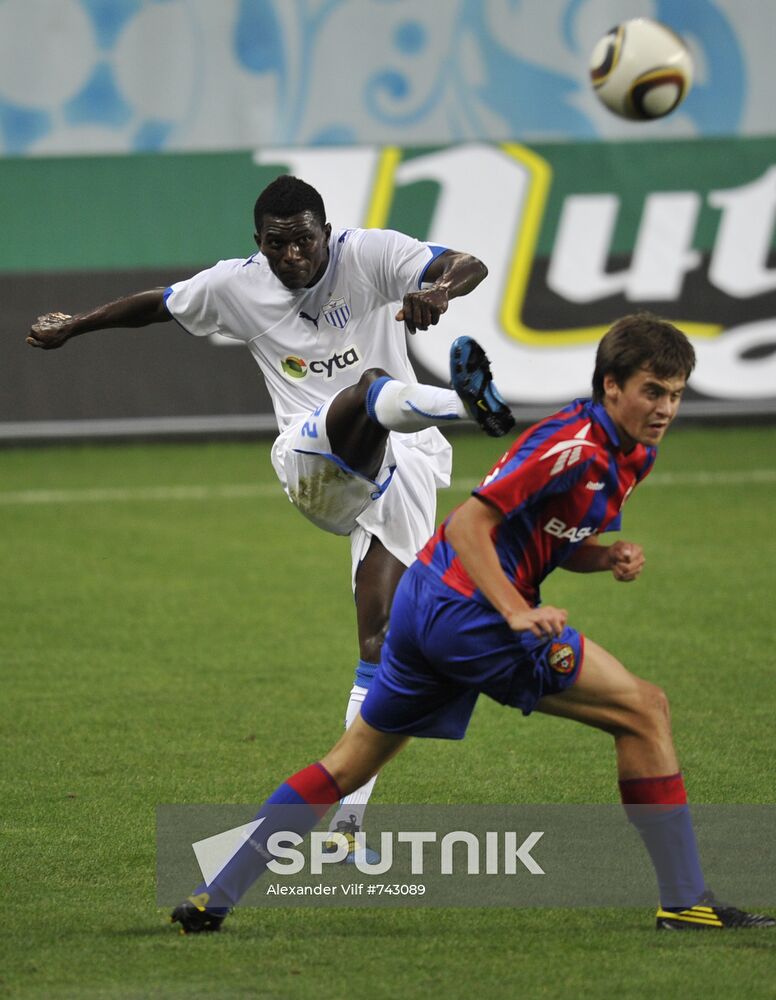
[(297, 251)]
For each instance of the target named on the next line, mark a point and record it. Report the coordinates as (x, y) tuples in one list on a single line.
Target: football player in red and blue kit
[(467, 619), (561, 484)]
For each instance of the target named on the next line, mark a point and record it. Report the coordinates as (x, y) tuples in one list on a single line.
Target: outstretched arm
[(469, 531), (451, 274), (53, 329), (624, 559)]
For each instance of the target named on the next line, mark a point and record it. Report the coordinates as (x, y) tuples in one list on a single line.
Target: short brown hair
[(641, 341)]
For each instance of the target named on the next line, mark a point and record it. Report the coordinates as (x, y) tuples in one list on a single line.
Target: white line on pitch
[(248, 491), (268, 491), (745, 477)]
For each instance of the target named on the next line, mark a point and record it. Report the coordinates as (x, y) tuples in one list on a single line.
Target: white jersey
[(310, 343)]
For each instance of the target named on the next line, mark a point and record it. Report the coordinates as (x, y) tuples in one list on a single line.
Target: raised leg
[(354, 436)]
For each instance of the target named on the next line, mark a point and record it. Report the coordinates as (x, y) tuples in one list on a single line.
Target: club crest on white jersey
[(569, 452), (336, 312)]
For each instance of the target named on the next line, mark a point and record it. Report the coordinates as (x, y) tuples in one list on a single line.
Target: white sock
[(355, 803), (406, 407)]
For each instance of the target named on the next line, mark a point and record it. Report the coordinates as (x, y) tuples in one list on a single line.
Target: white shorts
[(399, 506)]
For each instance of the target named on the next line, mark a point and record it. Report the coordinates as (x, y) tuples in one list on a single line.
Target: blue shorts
[(444, 649)]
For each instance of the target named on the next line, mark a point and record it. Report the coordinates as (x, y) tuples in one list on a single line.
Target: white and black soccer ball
[(641, 69)]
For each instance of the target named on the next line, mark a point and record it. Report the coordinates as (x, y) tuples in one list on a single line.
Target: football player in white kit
[(324, 314)]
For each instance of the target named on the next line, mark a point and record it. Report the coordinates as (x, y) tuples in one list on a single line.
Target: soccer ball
[(641, 69)]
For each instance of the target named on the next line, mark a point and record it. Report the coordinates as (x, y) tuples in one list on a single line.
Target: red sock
[(665, 790), (658, 809), (296, 805), (312, 786)]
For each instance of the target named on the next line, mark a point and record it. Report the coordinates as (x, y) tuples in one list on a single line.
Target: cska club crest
[(336, 312), (561, 658)]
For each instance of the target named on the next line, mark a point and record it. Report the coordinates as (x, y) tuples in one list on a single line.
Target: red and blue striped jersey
[(564, 480)]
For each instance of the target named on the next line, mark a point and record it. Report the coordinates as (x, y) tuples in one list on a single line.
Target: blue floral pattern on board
[(250, 73)]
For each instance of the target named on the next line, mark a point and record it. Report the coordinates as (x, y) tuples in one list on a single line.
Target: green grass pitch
[(173, 631)]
